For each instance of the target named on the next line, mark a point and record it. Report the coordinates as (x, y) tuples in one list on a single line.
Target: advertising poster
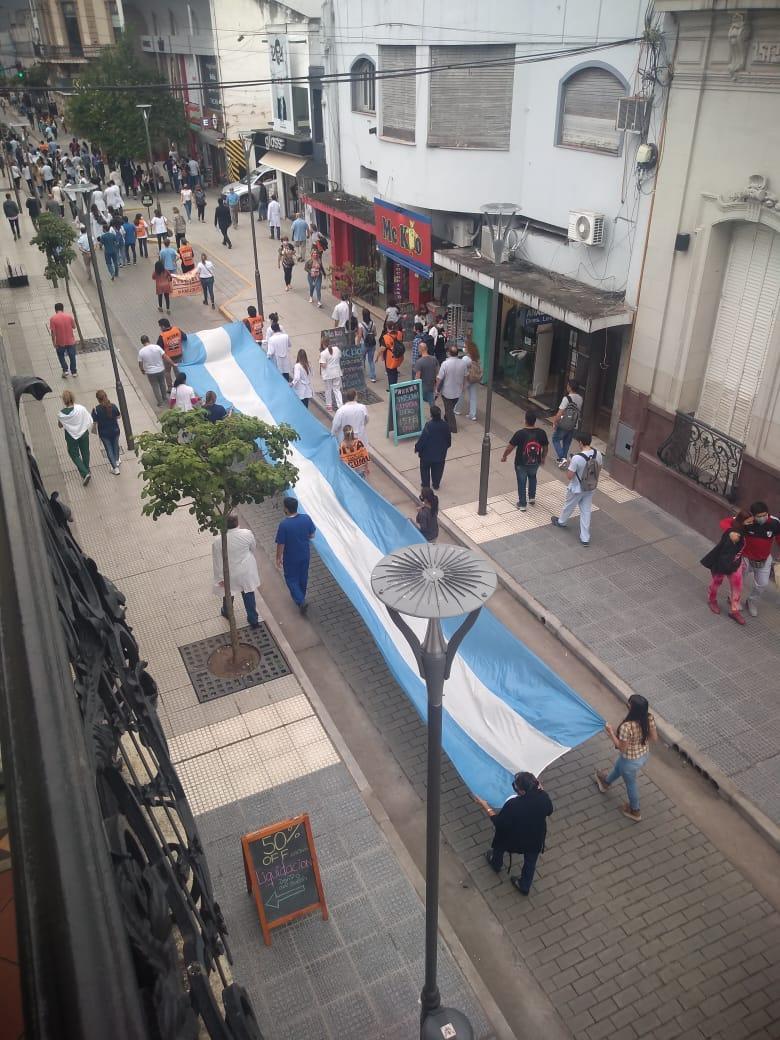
[(281, 88)]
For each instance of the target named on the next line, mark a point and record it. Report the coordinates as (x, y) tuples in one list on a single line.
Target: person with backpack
[(584, 471), (367, 338), (530, 447), (393, 351), (565, 422), (473, 379)]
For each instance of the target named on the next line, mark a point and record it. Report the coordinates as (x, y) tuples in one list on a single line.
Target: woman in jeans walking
[(205, 271), (105, 417), (313, 268), (633, 738)]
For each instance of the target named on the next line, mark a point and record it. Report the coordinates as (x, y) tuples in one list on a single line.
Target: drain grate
[(209, 687), (92, 346), (364, 396)]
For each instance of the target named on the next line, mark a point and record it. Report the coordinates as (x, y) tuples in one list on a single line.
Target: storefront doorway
[(530, 355)]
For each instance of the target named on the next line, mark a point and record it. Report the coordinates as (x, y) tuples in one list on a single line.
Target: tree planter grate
[(364, 396), (92, 346), (209, 687)]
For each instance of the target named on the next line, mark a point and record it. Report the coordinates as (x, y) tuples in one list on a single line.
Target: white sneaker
[(563, 463), (752, 609), (311, 300), (115, 471)]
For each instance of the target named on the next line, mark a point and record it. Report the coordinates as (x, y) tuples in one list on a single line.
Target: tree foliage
[(55, 238), (110, 118), (215, 467)]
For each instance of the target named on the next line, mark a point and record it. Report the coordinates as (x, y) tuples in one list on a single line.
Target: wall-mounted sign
[(281, 87), (404, 236), (283, 143)]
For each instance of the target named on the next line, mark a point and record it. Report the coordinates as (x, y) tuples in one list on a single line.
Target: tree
[(55, 240), (109, 118), (355, 281), (217, 467)]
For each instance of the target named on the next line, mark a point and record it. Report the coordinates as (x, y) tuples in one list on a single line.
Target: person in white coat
[(330, 369), (242, 565), (76, 421), (114, 199), (275, 218), (351, 413), (301, 380), (278, 349)]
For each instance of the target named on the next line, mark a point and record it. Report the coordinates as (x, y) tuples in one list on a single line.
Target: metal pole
[(120, 390), (433, 667), (145, 114), (258, 287), (484, 463)]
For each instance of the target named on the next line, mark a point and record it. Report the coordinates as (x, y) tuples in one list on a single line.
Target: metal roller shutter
[(398, 94), (743, 330), (471, 108), (590, 106)]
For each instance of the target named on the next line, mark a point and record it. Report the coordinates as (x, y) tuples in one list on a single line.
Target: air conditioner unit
[(460, 231), (147, 43), (586, 228), (633, 114)]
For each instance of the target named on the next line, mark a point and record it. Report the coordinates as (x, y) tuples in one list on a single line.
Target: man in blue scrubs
[(293, 550)]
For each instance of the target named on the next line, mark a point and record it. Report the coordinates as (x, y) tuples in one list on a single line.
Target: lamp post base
[(446, 1024)]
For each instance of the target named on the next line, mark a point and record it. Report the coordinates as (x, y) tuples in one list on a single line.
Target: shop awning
[(348, 208), (566, 299), (211, 137), (290, 164)]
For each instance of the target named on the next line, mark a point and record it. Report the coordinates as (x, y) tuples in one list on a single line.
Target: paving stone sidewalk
[(248, 759), (631, 931)]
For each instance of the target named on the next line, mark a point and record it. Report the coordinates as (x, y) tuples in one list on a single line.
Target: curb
[(492, 1011), (700, 761)]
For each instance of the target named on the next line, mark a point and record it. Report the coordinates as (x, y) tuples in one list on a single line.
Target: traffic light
[(20, 73)]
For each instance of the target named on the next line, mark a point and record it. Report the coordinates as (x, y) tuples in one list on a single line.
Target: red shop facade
[(391, 247)]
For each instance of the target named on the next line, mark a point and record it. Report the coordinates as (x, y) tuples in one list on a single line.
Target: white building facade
[(509, 103), (701, 408)]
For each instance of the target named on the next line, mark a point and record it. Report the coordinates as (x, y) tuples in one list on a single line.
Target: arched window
[(588, 109), (363, 74)]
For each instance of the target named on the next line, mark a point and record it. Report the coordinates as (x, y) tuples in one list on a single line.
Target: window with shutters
[(746, 319), (398, 94), (587, 111), (363, 75), (471, 107)]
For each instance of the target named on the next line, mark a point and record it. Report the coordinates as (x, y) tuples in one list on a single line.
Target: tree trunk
[(229, 598), (73, 309)]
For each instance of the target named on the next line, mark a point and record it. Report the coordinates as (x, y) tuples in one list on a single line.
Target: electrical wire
[(380, 74)]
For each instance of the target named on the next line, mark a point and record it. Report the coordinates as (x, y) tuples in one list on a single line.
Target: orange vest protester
[(171, 343), (187, 255), (255, 326), (389, 340)]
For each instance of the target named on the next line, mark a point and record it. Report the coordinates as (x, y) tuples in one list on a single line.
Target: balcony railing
[(55, 52), (704, 455), (119, 933)]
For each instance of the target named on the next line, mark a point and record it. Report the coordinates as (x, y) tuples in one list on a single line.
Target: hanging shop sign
[(404, 236), (292, 145), (281, 87)]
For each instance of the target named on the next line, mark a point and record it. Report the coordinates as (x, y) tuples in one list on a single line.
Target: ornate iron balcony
[(704, 455), (119, 932)]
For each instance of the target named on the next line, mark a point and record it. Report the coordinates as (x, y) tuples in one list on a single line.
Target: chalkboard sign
[(282, 873), (147, 200), (405, 415), (353, 376)]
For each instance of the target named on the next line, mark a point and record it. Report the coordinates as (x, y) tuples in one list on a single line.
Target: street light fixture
[(500, 218), (145, 109), (247, 139), (84, 193), (434, 582)]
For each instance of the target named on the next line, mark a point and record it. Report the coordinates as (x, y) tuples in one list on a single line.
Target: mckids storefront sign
[(404, 236)]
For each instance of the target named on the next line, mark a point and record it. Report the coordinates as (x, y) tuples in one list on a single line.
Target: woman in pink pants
[(724, 560)]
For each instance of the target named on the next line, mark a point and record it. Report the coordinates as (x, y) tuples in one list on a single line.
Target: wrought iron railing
[(119, 932), (704, 455)]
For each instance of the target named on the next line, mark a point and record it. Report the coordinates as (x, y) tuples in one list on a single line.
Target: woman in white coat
[(301, 380), (244, 574), (76, 421), (278, 349), (330, 369)]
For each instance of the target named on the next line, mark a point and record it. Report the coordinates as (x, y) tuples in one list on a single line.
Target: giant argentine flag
[(504, 710)]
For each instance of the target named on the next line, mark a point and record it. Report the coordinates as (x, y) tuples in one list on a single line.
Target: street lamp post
[(434, 582), (247, 138), (500, 218), (145, 113), (84, 193)]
